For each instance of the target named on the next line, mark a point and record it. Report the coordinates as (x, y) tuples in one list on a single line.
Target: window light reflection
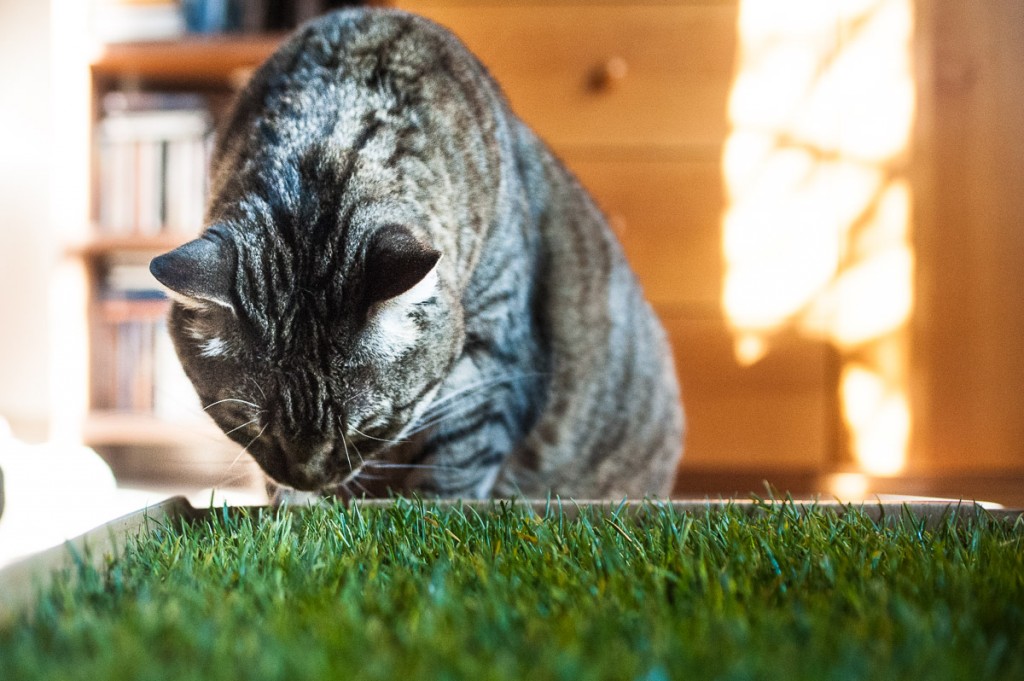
[(816, 235)]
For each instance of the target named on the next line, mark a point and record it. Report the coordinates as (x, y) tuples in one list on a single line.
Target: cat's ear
[(396, 261), (200, 270)]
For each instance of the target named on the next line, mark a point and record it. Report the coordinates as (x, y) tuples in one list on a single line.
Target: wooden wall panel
[(548, 57), (968, 349), (668, 217), (776, 415)]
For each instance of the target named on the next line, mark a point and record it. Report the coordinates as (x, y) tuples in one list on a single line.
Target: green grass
[(417, 591)]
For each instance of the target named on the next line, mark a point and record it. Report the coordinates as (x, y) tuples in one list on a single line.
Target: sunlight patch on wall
[(816, 236)]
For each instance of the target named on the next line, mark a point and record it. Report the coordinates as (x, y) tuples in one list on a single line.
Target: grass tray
[(517, 590)]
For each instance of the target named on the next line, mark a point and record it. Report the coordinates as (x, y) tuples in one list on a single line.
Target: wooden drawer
[(678, 62), (780, 413), (668, 217)]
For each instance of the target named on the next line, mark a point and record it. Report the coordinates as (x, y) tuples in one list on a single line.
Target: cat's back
[(614, 423)]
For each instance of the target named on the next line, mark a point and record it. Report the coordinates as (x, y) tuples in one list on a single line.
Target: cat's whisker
[(225, 480), (377, 439), (247, 423), (353, 479), (455, 411), (359, 455), (232, 399), (410, 466), (348, 459), (366, 476), (353, 494), (472, 387), (353, 473), (229, 481), (467, 400), (356, 396), (260, 388), (481, 385), (245, 449), (464, 400)]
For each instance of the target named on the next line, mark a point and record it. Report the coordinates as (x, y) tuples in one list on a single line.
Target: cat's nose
[(306, 462), (307, 452)]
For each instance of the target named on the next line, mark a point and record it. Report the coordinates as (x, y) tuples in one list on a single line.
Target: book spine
[(153, 166), (148, 219), (120, 21), (132, 308)]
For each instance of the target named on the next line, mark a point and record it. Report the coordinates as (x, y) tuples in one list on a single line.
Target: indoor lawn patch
[(417, 590)]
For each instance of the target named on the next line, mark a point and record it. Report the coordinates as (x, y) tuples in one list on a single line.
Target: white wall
[(27, 250)]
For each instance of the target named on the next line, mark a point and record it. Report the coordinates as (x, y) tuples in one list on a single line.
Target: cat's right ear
[(396, 261), (202, 270)]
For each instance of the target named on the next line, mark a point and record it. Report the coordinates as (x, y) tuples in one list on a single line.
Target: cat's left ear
[(396, 261), (200, 270)]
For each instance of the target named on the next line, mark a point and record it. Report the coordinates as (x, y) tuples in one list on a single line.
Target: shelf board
[(115, 311), (204, 59), (113, 428), (104, 244)]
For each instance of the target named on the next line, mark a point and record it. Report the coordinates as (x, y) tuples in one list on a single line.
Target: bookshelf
[(192, 61), (153, 106)]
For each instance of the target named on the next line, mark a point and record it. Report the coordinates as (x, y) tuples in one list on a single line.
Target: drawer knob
[(608, 75)]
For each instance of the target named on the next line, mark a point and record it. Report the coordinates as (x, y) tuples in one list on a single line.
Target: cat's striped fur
[(401, 288)]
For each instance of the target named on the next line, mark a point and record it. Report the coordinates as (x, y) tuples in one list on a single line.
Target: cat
[(401, 289)]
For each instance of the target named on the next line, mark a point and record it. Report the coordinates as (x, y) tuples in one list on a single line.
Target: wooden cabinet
[(634, 98), (666, 213), (591, 76)]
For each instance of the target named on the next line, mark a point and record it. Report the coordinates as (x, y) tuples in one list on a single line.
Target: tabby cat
[(401, 289)]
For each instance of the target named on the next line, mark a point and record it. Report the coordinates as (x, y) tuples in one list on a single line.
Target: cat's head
[(311, 366)]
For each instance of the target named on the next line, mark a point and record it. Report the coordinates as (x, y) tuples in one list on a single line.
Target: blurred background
[(824, 200)]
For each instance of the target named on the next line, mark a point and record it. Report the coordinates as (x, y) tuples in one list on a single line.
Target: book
[(137, 20), (263, 15), (135, 366), (138, 372), (153, 152), (127, 273), (142, 101)]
